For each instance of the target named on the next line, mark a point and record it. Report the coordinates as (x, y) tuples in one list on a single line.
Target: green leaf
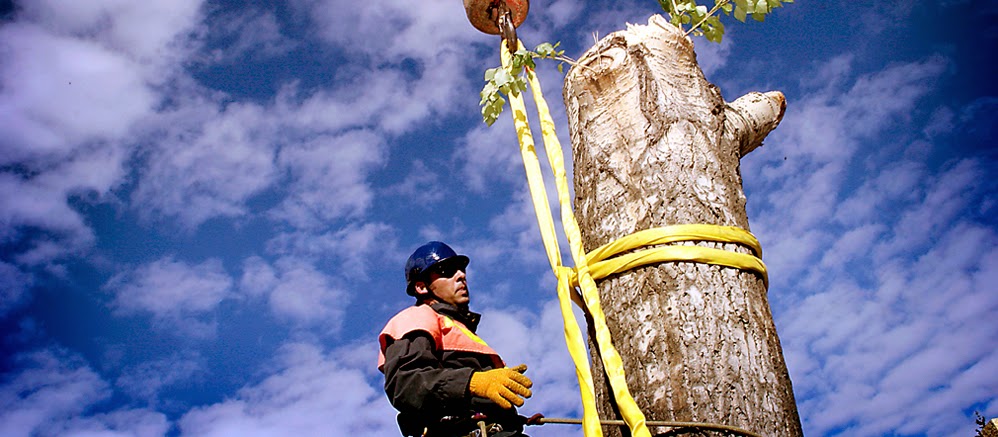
[(488, 115), (498, 105), (713, 29), (502, 77), (759, 17), (489, 88), (545, 49), (740, 14)]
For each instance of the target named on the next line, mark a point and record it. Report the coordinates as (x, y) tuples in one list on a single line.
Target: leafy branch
[(511, 80), (707, 23)]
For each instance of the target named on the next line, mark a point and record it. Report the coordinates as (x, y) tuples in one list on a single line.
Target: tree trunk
[(655, 144)]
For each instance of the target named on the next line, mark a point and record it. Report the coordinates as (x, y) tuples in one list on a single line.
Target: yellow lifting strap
[(602, 265), (599, 263)]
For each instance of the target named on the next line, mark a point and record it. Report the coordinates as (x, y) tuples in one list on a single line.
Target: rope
[(699, 425), (598, 263)]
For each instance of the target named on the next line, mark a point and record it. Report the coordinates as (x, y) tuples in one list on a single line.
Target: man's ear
[(421, 289)]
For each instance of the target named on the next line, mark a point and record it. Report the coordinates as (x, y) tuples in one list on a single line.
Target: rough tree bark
[(655, 144)]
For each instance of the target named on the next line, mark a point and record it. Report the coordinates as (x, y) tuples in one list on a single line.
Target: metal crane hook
[(498, 17)]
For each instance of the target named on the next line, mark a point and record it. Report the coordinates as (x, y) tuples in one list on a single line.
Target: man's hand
[(503, 386)]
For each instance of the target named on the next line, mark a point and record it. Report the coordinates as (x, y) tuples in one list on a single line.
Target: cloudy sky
[(205, 207)]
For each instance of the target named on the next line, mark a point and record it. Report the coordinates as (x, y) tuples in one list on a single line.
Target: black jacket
[(426, 385)]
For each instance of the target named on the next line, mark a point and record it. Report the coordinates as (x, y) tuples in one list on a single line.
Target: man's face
[(449, 284)]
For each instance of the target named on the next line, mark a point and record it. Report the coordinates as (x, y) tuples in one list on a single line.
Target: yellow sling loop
[(599, 263)]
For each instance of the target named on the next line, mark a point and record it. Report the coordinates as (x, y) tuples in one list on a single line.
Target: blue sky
[(205, 208)]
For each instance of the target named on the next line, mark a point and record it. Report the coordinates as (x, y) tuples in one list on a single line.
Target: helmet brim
[(461, 260)]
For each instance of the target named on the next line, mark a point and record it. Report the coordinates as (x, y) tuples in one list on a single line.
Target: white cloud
[(893, 182), (82, 73), (354, 248), (559, 12), (213, 160), (831, 73), (309, 393), (67, 105), (78, 80), (252, 33), (14, 285), (824, 128), (118, 423), (890, 94), (60, 94), (144, 381), (881, 352), (946, 197), (611, 18), (208, 164), (306, 295), (391, 29), (803, 169), (258, 277), (490, 156), (51, 393), (712, 56), (421, 186), (405, 58), (180, 297), (879, 270), (297, 291), (145, 31), (41, 202), (852, 242), (329, 178)]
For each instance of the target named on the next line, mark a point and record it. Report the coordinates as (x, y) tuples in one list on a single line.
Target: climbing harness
[(502, 17)]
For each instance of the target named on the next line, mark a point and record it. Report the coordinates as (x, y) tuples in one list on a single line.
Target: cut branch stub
[(752, 117)]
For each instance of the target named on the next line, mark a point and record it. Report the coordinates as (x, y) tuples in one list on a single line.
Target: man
[(445, 380)]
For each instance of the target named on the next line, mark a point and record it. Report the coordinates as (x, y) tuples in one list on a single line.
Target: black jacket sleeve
[(418, 384)]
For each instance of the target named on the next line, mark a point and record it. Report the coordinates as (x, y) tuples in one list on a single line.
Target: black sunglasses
[(446, 270)]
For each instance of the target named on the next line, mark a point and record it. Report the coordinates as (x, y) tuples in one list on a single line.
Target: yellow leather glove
[(502, 386)]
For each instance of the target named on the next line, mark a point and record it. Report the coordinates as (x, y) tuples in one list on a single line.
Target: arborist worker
[(445, 380)]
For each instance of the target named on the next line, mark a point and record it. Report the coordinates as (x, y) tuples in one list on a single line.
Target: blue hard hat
[(424, 258)]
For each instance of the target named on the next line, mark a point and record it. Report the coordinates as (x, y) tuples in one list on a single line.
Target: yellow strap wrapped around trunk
[(603, 261), (602, 265)]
